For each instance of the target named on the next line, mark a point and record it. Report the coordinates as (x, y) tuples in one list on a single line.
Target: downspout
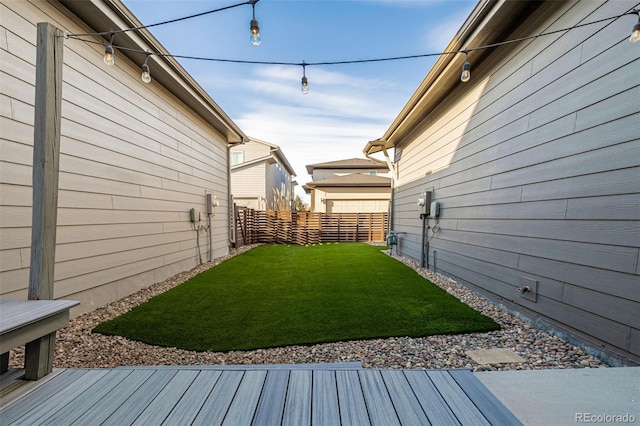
[(425, 243), (210, 235), (230, 209), (394, 175), (394, 183)]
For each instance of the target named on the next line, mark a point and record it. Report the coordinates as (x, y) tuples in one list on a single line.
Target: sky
[(347, 105)]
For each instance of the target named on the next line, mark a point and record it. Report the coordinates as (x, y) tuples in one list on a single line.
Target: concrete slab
[(494, 356), (568, 397)]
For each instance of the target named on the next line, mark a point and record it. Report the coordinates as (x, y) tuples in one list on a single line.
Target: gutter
[(381, 145)]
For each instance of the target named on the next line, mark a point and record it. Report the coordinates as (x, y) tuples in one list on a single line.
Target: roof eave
[(485, 25), (275, 150), (108, 15)]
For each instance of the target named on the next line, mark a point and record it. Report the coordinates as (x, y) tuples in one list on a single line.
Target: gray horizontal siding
[(536, 164), (569, 317), (134, 160), (622, 233)]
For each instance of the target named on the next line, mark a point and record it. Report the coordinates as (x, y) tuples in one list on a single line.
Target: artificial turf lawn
[(277, 295)]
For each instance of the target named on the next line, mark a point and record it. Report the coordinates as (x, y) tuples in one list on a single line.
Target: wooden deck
[(264, 395)]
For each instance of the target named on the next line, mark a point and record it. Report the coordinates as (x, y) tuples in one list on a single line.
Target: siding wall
[(252, 150), (134, 161), (536, 164), (363, 199), (357, 206), (252, 185), (278, 178), (248, 185)]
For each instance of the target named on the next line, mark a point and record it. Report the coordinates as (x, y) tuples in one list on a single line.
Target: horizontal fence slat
[(294, 227)]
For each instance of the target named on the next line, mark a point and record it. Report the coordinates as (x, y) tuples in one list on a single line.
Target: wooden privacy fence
[(293, 227)]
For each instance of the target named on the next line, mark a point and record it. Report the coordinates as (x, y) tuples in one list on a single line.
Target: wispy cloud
[(334, 121), (438, 36), (347, 105)]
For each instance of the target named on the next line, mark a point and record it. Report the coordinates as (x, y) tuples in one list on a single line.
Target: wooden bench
[(25, 321)]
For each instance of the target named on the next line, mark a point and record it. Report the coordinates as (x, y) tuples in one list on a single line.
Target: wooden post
[(46, 158)]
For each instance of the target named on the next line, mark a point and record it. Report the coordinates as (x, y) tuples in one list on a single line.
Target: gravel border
[(78, 347)]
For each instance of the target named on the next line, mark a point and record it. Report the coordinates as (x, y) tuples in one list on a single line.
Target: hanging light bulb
[(255, 33), (635, 33), (466, 68), (109, 55), (305, 83), (255, 38), (466, 72), (146, 74)]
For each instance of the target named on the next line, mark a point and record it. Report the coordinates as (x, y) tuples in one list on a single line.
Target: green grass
[(276, 295)]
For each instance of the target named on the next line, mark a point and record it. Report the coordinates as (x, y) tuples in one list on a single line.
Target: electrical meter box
[(424, 203), (434, 209), (194, 215)]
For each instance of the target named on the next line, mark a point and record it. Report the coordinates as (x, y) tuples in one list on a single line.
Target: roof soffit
[(488, 23), (353, 180), (351, 163)]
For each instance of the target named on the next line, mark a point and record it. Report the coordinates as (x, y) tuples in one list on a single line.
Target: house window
[(237, 157), (373, 172)]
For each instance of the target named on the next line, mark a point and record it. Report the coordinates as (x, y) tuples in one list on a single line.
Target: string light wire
[(304, 64)]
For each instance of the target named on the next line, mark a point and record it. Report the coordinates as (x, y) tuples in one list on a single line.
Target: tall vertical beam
[(46, 159)]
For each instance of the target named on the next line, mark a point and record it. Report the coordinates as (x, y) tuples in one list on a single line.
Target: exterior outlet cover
[(528, 289)]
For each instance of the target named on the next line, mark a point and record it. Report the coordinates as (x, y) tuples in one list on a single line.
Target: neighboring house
[(349, 186), (261, 176), (135, 158), (536, 164)]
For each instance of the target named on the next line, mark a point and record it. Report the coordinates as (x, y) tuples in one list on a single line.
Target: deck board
[(326, 410), (88, 398), (299, 396), (40, 414), (129, 411), (495, 412), (245, 402), (188, 407), (379, 404), (404, 400), (353, 408), (271, 405), (41, 397), (297, 409), (432, 402), (160, 408), (461, 406), (110, 401), (13, 387), (216, 406)]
